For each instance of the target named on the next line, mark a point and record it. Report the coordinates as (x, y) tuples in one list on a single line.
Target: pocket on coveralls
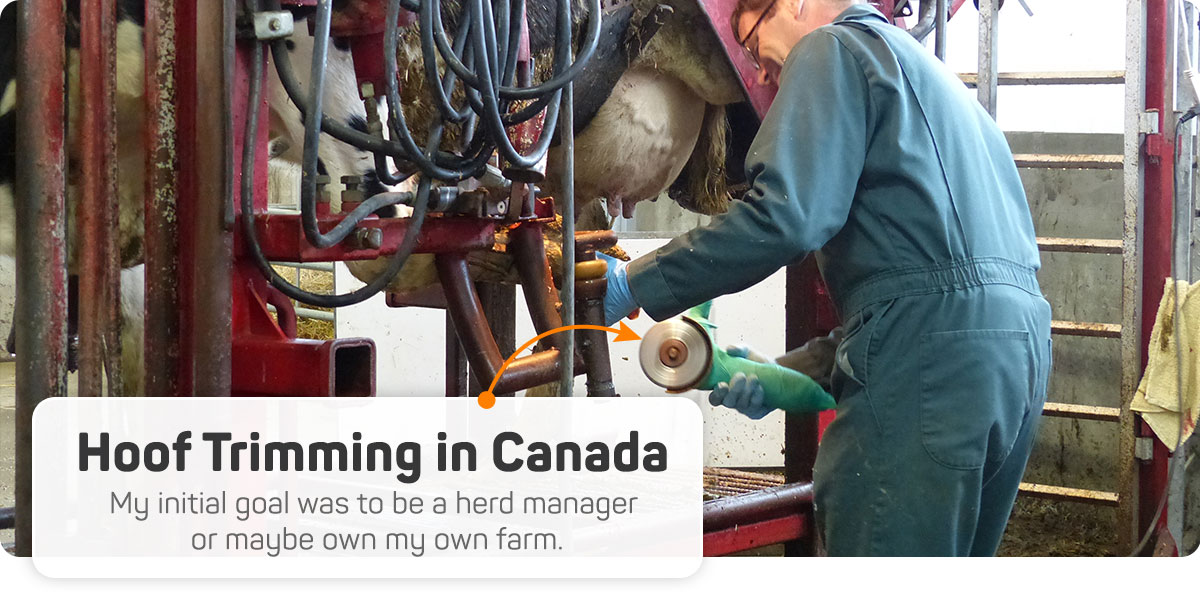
[(975, 392)]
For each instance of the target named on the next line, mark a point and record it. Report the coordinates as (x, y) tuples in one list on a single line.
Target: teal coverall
[(878, 156)]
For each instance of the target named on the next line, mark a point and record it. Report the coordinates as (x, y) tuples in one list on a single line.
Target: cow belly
[(639, 141)]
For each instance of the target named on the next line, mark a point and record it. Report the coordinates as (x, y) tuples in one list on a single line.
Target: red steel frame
[(1159, 160), (267, 359)]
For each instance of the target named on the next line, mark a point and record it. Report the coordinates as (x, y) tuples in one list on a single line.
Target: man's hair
[(753, 6)]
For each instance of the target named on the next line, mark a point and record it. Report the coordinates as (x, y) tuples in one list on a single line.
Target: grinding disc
[(675, 354)]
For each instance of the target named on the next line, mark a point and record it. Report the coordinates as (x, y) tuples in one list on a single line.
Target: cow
[(652, 115)]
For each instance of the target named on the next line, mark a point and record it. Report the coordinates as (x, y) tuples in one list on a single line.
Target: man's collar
[(860, 12)]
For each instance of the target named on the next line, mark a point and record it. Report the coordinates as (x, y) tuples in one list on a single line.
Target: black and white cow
[(337, 159)]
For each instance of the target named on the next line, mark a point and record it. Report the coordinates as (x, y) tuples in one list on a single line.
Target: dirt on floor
[(1044, 528)]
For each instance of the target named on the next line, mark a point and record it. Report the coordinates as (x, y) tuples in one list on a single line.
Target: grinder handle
[(783, 388)]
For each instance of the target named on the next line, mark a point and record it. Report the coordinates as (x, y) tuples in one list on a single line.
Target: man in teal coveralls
[(878, 157)]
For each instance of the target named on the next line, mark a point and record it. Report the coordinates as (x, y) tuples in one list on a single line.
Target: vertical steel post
[(162, 331), (204, 45), (1157, 214), (989, 23), (1131, 271), (567, 134), (41, 304), (801, 432), (99, 254), (939, 28)]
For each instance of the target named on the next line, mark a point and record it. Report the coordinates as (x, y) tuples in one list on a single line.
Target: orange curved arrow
[(487, 399)]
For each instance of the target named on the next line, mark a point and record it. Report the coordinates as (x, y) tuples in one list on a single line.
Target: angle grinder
[(681, 354)]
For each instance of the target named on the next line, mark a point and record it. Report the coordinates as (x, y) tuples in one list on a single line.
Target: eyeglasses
[(752, 55)]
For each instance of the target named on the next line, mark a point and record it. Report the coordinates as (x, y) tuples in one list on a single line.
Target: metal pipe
[(456, 362), (1156, 246), (309, 313), (210, 320), (480, 346), (925, 21), (767, 504), (989, 23), (162, 331), (99, 255), (467, 311), (803, 312), (1131, 268), (41, 303), (325, 267), (594, 343), (939, 38), (529, 254), (567, 133)]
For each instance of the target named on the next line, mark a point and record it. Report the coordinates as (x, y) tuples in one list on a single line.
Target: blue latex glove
[(618, 301), (742, 393)]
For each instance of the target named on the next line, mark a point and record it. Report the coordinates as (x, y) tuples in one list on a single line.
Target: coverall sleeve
[(803, 167)]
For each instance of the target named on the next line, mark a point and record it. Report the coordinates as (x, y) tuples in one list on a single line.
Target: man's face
[(769, 35), (758, 31)]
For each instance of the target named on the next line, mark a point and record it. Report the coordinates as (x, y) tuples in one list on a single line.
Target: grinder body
[(681, 354)]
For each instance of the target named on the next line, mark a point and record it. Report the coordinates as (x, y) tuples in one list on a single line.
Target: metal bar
[(1080, 245), (1131, 274), (1053, 492), (1069, 161), (500, 309), (7, 517), (480, 346), (309, 313), (737, 511), (989, 23), (756, 535), (209, 322), (537, 282), (567, 134), (1102, 330), (456, 362), (99, 262), (1082, 411), (41, 303), (282, 238), (1051, 78), (325, 267), (1157, 244), (800, 434), (939, 29), (269, 366), (593, 344), (162, 330)]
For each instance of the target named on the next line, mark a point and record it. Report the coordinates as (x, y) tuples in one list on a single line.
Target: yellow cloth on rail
[(1157, 397)]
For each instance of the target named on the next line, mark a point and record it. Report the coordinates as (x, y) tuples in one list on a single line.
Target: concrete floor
[(7, 434)]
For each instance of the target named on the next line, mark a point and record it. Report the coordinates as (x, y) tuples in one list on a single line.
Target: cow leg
[(133, 318)]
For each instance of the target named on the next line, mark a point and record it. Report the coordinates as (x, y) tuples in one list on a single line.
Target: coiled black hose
[(481, 57), (250, 235)]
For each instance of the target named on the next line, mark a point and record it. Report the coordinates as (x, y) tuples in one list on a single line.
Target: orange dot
[(487, 399)]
